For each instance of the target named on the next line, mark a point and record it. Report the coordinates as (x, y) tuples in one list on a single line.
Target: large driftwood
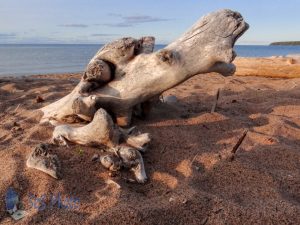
[(124, 73), (124, 77)]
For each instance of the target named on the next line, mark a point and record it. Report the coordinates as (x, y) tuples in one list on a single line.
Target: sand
[(275, 66), (191, 177)]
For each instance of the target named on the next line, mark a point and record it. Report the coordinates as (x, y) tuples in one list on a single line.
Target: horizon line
[(256, 44)]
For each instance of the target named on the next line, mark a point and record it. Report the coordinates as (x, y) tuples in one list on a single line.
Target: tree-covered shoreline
[(286, 43)]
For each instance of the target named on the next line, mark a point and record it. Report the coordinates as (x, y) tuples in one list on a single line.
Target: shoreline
[(274, 67), (38, 75)]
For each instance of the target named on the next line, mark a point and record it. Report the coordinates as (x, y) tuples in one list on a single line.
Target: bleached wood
[(124, 77), (138, 77)]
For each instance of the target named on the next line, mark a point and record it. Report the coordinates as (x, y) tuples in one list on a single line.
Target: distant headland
[(286, 43)]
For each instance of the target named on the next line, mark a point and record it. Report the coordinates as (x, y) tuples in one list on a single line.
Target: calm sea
[(18, 60)]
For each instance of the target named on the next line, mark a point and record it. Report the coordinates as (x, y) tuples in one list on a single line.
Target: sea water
[(18, 60)]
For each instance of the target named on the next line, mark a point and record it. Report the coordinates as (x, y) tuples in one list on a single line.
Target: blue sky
[(100, 21)]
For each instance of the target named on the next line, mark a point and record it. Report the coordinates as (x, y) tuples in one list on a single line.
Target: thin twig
[(17, 108), (193, 160), (216, 101), (241, 139), (238, 144)]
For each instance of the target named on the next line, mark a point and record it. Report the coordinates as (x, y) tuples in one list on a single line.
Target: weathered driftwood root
[(100, 132), (124, 73), (111, 162), (139, 141), (42, 160), (122, 143), (127, 157)]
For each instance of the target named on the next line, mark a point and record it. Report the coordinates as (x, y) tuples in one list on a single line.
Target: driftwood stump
[(125, 76)]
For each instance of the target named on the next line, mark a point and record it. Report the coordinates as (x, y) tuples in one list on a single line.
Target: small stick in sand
[(237, 145), (216, 101), (193, 160), (17, 108)]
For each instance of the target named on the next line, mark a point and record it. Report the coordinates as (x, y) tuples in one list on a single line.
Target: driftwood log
[(125, 76)]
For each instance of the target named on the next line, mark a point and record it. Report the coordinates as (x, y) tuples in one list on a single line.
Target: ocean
[(19, 60)]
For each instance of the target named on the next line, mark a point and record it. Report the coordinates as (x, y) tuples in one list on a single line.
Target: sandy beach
[(192, 178)]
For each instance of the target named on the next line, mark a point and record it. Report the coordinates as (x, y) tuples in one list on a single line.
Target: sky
[(101, 21)]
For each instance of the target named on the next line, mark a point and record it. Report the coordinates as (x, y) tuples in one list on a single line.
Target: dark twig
[(237, 145), (216, 101)]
